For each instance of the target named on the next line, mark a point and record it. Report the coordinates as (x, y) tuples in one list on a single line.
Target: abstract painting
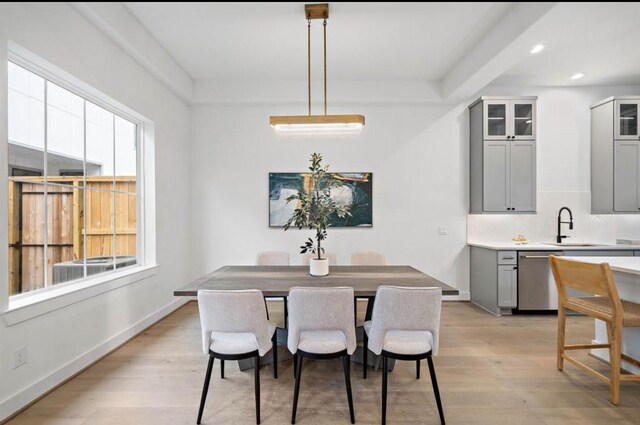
[(355, 189)]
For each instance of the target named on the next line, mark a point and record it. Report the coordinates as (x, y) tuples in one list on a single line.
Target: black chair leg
[(385, 372), (274, 343), (296, 390), (434, 382), (221, 369), (346, 361), (256, 366), (286, 313), (365, 355), (205, 389), (295, 366), (418, 369)]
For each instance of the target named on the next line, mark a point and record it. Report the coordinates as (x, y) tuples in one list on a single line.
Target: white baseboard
[(23, 398), (463, 296)]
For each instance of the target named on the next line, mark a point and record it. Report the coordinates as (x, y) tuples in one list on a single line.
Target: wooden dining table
[(276, 281)]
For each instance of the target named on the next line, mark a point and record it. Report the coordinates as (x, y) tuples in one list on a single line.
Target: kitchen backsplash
[(542, 227)]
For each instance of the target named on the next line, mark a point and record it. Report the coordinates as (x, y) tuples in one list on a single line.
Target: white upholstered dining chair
[(234, 327), (272, 258), (405, 325), (275, 258), (368, 258), (321, 326)]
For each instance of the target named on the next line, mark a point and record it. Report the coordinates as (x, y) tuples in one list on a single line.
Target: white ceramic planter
[(319, 267)]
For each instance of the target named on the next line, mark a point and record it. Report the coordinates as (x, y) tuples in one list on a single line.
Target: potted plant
[(314, 210)]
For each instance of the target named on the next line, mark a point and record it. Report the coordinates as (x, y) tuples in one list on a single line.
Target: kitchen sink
[(574, 244)]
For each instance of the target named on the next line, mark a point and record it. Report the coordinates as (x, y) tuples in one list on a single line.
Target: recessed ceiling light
[(577, 76), (537, 48)]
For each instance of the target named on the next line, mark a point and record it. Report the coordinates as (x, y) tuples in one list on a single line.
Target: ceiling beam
[(115, 20), (340, 93), (508, 42)]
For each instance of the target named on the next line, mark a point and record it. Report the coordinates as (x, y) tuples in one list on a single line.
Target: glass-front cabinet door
[(523, 120), (626, 117), (495, 119)]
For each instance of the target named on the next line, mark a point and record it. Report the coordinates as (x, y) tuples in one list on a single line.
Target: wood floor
[(490, 370)]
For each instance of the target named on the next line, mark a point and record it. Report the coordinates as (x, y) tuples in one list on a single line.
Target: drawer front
[(507, 258)]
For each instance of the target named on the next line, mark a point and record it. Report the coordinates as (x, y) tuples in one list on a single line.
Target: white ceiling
[(366, 41), (601, 40), (420, 52)]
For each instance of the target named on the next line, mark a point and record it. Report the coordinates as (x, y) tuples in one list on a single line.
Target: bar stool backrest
[(592, 278)]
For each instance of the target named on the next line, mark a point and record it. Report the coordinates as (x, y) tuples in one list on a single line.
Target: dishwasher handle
[(540, 257)]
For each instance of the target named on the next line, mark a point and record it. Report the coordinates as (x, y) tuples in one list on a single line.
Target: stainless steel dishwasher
[(536, 286)]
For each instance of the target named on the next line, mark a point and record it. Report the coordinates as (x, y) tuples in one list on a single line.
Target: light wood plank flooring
[(490, 370)]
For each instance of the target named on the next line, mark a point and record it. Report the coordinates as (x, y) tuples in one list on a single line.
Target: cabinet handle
[(515, 268), (508, 258)]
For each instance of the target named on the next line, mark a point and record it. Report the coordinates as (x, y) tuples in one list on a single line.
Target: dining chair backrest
[(321, 309), (368, 258), (399, 308), (592, 278), (272, 258), (331, 256), (241, 311)]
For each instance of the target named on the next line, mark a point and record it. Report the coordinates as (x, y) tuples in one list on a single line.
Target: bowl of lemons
[(520, 240)]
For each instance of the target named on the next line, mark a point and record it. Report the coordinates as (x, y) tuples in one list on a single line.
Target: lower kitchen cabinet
[(494, 276), (507, 286), (494, 280)]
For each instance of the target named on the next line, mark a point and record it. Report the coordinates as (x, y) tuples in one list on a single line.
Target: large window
[(73, 196)]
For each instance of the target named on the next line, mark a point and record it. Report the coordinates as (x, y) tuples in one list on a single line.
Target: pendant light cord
[(309, 61), (324, 24)]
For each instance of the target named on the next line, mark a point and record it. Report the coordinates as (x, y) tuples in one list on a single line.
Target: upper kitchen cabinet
[(626, 120), (615, 156), (503, 155), (508, 118)]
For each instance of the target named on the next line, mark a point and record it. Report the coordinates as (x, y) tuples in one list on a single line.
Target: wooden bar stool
[(606, 306)]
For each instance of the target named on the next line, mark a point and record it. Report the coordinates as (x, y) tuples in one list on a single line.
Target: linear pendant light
[(317, 124)]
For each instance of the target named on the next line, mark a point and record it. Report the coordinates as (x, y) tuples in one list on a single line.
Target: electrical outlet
[(443, 231), (20, 357)]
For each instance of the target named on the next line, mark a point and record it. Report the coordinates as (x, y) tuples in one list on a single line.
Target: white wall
[(418, 156), (57, 33), (564, 161)]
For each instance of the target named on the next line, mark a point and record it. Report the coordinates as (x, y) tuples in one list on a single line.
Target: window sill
[(28, 307)]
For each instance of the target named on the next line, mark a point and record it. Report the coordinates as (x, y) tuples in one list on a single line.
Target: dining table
[(276, 281)]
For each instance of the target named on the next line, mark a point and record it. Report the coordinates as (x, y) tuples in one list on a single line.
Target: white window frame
[(24, 306)]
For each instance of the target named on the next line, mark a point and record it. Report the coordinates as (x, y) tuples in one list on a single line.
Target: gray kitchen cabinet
[(507, 286), (626, 179), (626, 119), (503, 155), (496, 176), (494, 280), (522, 175), (494, 277), (508, 118), (615, 156)]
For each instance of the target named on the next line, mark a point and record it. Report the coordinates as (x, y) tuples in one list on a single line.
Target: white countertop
[(630, 265), (540, 246)]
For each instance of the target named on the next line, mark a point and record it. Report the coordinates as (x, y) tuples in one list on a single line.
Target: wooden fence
[(66, 210)]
